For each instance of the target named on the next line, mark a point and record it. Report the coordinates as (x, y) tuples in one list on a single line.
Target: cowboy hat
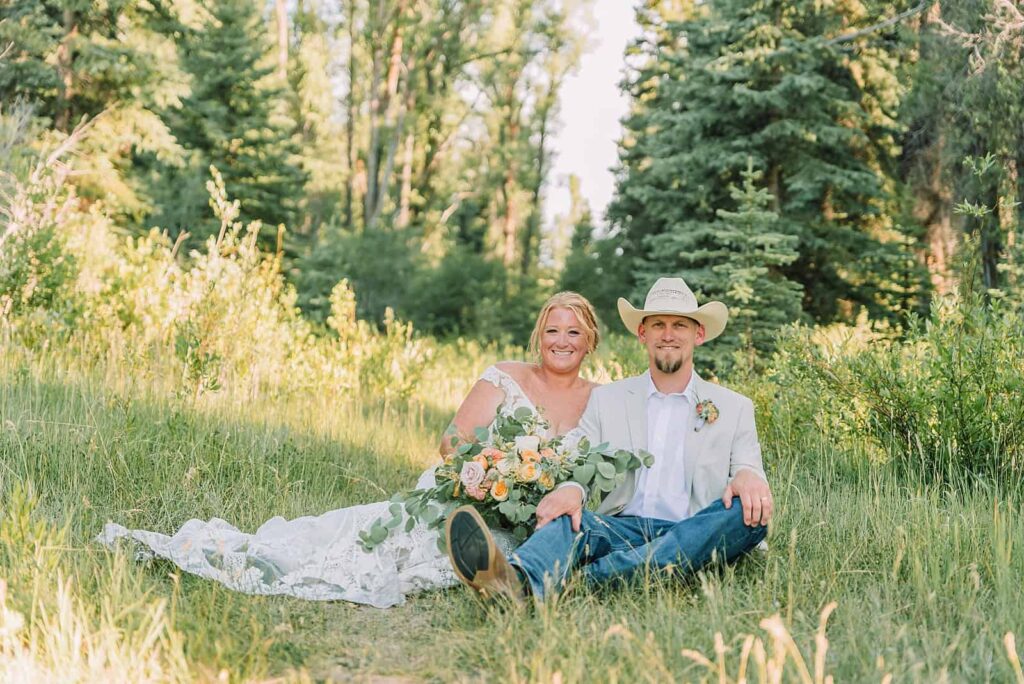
[(673, 297)]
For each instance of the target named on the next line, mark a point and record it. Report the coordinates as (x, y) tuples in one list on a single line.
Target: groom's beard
[(668, 366)]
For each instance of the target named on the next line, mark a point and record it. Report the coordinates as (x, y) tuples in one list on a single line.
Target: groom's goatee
[(669, 367)]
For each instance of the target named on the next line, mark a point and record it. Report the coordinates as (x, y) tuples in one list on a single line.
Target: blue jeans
[(609, 546)]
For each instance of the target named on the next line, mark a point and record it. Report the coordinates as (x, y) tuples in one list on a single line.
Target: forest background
[(241, 241)]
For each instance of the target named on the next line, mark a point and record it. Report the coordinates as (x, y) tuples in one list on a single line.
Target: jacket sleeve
[(746, 450)]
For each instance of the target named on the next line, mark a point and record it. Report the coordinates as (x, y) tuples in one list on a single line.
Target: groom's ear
[(701, 335)]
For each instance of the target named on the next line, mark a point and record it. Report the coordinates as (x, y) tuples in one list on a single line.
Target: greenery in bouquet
[(504, 472)]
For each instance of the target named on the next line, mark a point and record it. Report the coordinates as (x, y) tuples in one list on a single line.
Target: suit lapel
[(636, 423), (636, 412), (695, 439)]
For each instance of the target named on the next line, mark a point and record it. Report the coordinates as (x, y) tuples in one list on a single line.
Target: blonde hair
[(580, 306)]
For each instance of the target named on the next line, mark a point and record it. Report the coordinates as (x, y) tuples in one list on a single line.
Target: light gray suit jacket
[(617, 414)]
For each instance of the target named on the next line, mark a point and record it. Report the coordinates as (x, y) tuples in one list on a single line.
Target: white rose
[(524, 442), (504, 466), (472, 474)]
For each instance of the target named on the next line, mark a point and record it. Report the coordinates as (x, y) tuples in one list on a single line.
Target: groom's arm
[(746, 471), (746, 449)]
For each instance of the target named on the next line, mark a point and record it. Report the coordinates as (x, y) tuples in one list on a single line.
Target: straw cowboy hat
[(673, 297)]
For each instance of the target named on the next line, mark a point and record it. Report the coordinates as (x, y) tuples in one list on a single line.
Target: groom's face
[(670, 341)]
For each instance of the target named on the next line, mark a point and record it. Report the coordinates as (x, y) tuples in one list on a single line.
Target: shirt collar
[(689, 392)]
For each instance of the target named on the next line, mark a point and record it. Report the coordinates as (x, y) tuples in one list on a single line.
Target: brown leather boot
[(477, 560)]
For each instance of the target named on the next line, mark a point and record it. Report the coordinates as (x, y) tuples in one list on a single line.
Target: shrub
[(224, 318), (943, 403)]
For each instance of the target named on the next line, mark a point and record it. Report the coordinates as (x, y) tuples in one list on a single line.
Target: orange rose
[(499, 492), (482, 460), (529, 456), (528, 472), (546, 480)]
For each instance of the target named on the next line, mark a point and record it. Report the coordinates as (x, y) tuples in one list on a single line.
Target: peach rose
[(547, 454), (528, 472), (529, 456), (493, 455), (546, 480), (499, 492)]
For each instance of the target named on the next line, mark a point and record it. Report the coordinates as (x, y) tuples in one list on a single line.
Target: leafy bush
[(222, 318), (944, 402)]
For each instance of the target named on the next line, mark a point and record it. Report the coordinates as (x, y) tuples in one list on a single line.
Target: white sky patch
[(591, 105)]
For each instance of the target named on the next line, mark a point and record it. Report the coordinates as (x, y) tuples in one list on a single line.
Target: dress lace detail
[(316, 557)]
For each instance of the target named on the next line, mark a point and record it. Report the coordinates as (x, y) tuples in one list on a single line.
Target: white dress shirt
[(661, 490)]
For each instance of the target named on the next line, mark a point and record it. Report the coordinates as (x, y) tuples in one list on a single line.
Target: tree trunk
[(373, 153), (405, 196), (394, 118), (532, 231), (350, 124)]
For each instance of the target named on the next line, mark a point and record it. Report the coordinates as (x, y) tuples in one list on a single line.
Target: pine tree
[(113, 64), (758, 81), (230, 121)]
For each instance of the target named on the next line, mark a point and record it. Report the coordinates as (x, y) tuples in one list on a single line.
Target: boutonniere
[(707, 412)]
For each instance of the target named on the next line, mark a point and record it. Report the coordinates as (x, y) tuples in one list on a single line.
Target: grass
[(924, 581)]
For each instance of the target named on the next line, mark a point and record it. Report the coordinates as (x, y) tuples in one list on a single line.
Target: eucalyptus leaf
[(522, 413), (607, 470), (583, 473), (481, 434)]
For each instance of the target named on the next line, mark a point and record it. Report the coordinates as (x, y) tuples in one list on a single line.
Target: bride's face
[(563, 342)]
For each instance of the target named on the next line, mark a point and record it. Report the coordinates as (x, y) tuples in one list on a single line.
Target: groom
[(706, 494)]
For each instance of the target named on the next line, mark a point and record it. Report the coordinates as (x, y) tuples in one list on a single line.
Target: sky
[(588, 130)]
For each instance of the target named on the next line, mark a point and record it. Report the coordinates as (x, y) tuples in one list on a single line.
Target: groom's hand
[(562, 501), (754, 494)]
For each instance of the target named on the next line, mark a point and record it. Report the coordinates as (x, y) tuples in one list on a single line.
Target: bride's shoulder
[(517, 370), (502, 372)]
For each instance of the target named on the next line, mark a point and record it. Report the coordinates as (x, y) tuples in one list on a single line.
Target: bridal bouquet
[(504, 473)]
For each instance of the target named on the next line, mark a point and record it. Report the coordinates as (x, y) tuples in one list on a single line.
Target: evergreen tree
[(113, 64), (746, 273), (739, 81), (229, 121)]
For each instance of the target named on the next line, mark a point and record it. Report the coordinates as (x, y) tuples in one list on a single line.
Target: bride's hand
[(562, 501)]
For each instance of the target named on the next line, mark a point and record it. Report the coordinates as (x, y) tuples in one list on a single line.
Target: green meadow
[(919, 582)]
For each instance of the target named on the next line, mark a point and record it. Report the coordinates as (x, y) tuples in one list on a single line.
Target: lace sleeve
[(515, 397), (496, 377), (502, 381)]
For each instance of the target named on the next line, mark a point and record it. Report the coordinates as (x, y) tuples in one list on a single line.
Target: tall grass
[(925, 580)]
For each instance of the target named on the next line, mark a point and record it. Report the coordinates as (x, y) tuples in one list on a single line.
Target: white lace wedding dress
[(316, 558)]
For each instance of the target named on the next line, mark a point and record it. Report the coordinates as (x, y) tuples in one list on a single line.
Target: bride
[(319, 558)]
